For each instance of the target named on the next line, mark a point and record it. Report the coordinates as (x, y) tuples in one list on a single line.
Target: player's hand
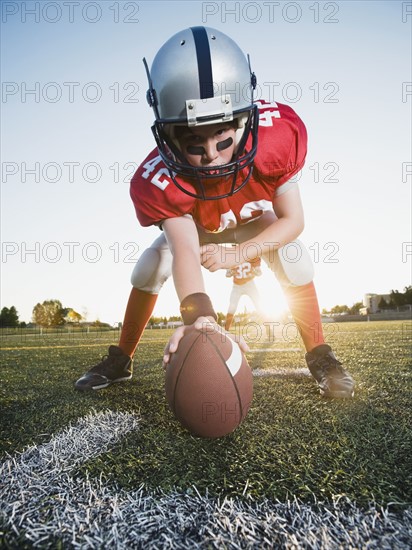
[(202, 324), (216, 256)]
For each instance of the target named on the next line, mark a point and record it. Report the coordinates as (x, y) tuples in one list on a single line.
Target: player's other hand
[(215, 256), (202, 324)]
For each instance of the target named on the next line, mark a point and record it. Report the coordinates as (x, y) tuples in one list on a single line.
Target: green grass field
[(293, 446)]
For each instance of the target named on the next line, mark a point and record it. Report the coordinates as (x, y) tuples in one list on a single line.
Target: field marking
[(42, 504), (61, 346), (53, 347), (281, 373), (68, 345), (276, 350)]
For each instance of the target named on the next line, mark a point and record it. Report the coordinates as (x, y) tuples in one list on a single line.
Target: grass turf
[(292, 444)]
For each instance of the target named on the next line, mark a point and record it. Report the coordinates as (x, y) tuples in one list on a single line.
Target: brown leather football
[(209, 384)]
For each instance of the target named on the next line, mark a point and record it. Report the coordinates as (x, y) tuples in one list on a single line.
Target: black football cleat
[(333, 380), (115, 367)]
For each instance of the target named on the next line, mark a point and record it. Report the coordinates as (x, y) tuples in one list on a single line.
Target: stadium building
[(371, 303)]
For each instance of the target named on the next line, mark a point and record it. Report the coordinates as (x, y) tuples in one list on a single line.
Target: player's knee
[(152, 270), (291, 264)]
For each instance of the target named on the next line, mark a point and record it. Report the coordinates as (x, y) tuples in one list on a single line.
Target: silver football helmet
[(201, 76)]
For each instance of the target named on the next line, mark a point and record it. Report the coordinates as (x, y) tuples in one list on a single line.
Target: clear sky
[(75, 125)]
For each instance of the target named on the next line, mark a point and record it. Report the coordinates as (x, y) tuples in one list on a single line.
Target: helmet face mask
[(196, 180), (201, 77)]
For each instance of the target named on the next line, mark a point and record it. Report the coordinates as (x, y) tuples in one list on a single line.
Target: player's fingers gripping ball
[(209, 384)]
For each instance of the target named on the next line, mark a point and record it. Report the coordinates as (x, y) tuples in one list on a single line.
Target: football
[(209, 384)]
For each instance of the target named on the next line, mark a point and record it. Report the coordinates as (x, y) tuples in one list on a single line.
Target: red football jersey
[(245, 272), (282, 145)]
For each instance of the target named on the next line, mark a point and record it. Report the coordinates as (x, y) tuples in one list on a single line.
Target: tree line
[(396, 299), (51, 313)]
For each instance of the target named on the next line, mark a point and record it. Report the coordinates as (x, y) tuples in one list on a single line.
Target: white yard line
[(41, 503)]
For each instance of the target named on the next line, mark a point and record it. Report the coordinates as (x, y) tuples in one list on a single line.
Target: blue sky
[(69, 147)]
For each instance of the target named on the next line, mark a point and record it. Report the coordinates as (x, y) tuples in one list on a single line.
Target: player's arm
[(183, 240), (286, 228), (240, 233)]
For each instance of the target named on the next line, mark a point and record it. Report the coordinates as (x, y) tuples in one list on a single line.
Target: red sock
[(138, 312), (304, 307), (228, 322)]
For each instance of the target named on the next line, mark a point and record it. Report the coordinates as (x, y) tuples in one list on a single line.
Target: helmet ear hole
[(170, 134), (174, 132), (240, 128)]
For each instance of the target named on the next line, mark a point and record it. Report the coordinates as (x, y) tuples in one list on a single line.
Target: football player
[(222, 172), (243, 285)]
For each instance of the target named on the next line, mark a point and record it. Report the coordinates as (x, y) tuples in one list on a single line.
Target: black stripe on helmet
[(204, 62)]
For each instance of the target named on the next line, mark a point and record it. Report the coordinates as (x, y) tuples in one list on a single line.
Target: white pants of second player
[(247, 289)]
